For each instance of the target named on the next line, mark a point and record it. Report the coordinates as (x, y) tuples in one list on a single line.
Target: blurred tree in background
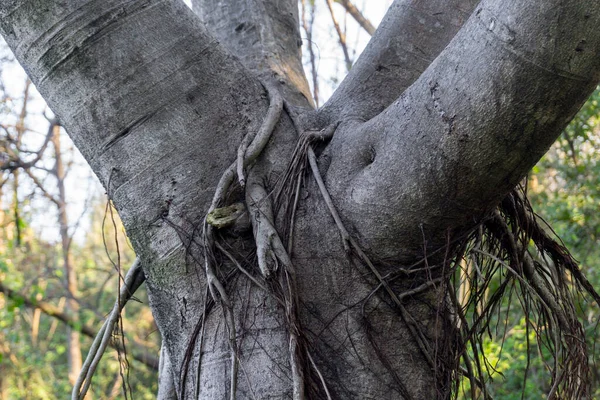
[(45, 314)]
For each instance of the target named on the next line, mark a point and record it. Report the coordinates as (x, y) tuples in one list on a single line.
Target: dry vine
[(112, 329)]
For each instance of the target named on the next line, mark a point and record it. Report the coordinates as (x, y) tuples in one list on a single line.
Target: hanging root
[(287, 191), (219, 294), (321, 378), (247, 154), (269, 248), (252, 146), (304, 151), (289, 188), (312, 159), (545, 278), (511, 254), (133, 280)]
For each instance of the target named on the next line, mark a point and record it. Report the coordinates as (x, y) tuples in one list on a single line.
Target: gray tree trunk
[(434, 126)]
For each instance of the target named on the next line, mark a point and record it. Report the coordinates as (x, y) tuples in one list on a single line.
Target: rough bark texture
[(264, 35), (158, 107), (411, 35)]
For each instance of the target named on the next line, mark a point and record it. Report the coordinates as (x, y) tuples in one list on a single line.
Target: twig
[(14, 164), (308, 28), (341, 35), (357, 15), (40, 186)]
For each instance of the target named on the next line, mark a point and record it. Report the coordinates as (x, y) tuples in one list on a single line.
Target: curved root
[(133, 280), (253, 145), (269, 248)]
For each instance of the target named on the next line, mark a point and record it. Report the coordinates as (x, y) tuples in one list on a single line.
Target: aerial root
[(297, 370), (253, 145), (201, 342), (249, 150), (350, 243), (240, 268), (534, 281), (558, 311), (220, 296), (271, 252), (133, 280), (346, 239), (323, 383), (269, 248), (288, 188), (303, 152), (508, 254)]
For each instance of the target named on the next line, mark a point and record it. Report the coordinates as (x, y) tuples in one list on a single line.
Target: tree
[(360, 211)]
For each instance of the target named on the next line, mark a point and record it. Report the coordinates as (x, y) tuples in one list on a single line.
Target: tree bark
[(158, 107), (410, 36), (468, 129), (265, 36)]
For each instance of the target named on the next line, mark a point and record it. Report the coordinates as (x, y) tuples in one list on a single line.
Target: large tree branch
[(140, 353), (265, 35), (470, 127), (410, 36)]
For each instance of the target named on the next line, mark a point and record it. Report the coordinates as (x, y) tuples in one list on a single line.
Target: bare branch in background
[(341, 35), (357, 15), (15, 162), (141, 353), (308, 28), (40, 186)]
